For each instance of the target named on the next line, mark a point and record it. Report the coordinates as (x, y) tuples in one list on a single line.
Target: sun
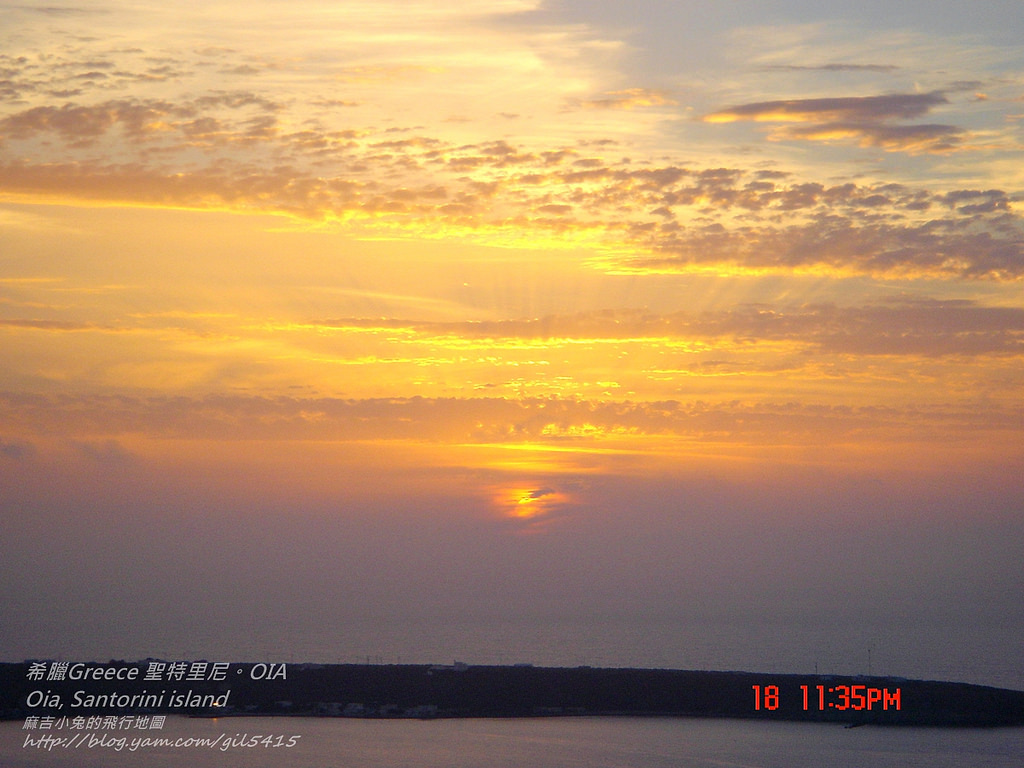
[(529, 503)]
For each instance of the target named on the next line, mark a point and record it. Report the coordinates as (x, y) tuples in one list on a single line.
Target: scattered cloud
[(537, 422), (141, 130), (899, 326), (56, 10), (16, 450), (832, 67), (943, 248), (47, 325), (899, 106), (867, 120), (633, 98), (673, 218), (913, 139)]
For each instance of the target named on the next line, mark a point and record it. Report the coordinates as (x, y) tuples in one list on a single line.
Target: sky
[(331, 318)]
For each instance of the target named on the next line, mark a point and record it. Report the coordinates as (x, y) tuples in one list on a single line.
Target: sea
[(552, 742)]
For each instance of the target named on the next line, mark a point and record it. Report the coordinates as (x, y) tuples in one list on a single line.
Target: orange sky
[(486, 262)]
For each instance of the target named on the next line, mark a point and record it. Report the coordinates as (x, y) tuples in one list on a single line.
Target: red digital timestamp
[(839, 697)]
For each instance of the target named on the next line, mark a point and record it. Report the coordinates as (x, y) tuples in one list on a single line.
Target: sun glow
[(526, 503)]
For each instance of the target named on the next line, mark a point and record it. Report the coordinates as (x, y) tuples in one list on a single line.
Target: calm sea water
[(536, 743)]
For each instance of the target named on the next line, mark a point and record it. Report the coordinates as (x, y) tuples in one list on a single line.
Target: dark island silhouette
[(462, 690)]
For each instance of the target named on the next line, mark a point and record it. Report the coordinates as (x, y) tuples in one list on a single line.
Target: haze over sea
[(982, 655)]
